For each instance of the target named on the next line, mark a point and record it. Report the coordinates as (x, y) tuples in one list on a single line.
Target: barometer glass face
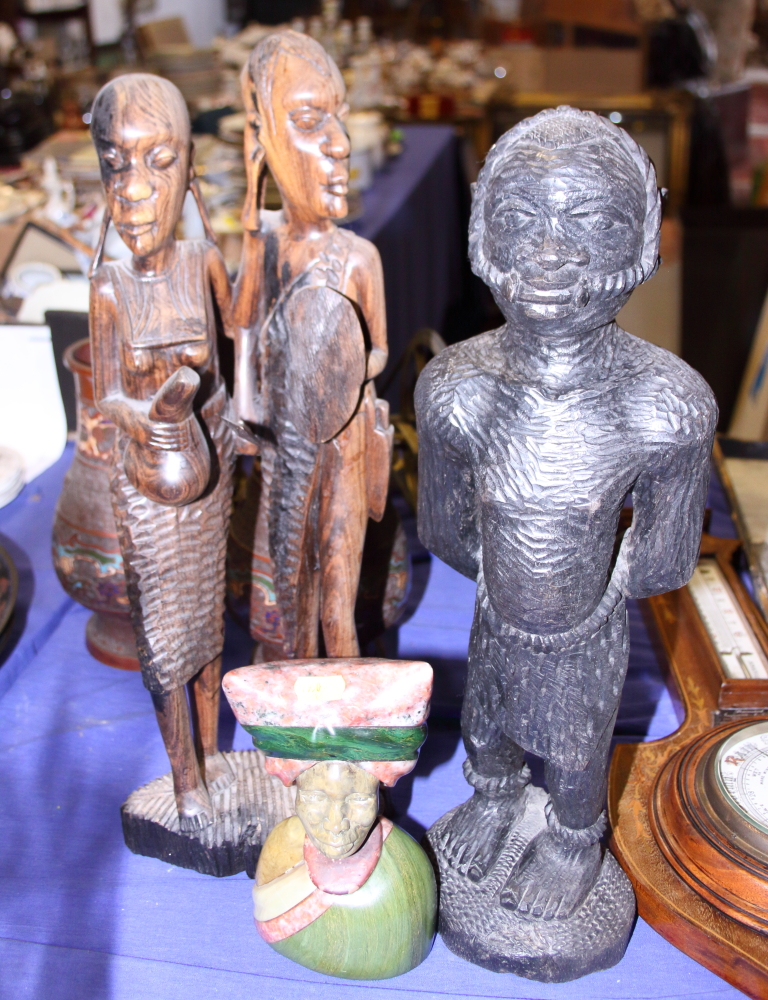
[(741, 769)]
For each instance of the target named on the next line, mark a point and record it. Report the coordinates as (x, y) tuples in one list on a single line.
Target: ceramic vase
[(85, 548)]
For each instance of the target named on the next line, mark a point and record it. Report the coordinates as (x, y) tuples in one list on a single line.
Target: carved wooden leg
[(495, 768), (205, 691), (343, 518), (192, 799), (308, 594), (562, 863)]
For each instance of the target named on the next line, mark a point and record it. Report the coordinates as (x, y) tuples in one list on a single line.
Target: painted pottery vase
[(85, 549)]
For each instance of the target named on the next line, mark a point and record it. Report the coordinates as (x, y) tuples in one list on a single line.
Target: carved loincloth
[(553, 695), (174, 564)]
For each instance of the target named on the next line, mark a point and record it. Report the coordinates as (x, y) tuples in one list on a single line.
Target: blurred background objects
[(687, 78)]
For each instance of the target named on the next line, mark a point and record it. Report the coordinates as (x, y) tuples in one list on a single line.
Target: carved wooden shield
[(327, 361)]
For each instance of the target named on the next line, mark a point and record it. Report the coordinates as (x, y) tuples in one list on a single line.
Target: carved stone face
[(144, 165), (556, 218), (338, 804), (303, 136)]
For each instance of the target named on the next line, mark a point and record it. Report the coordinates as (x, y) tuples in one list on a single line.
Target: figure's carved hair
[(150, 97), (561, 128), (262, 60), (256, 82)]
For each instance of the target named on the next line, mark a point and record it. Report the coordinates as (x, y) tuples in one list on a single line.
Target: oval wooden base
[(697, 842), (110, 639), (243, 814)]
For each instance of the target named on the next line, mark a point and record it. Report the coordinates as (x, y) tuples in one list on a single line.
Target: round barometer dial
[(741, 771), (709, 816)]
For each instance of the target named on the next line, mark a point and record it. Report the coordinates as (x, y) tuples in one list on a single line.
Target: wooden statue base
[(476, 927), (244, 813)]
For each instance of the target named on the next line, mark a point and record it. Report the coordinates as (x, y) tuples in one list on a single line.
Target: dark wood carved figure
[(311, 335), (531, 437), (153, 336)]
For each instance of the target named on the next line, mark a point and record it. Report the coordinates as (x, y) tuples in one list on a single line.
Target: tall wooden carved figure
[(531, 437), (309, 308), (156, 375)]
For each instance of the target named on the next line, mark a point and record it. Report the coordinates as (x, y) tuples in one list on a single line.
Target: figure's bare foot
[(477, 832), (217, 773), (195, 811), (552, 878)]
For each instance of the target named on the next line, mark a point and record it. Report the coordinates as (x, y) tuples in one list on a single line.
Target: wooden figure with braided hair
[(311, 336), (530, 438), (156, 376)]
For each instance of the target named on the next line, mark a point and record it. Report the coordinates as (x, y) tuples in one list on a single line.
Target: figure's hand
[(171, 437), (376, 363)]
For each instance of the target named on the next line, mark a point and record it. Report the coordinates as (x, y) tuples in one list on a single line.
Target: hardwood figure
[(311, 335), (156, 376), (531, 436), (340, 889)]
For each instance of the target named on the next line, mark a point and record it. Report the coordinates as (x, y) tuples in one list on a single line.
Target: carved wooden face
[(337, 804), (304, 138), (144, 168), (554, 218)]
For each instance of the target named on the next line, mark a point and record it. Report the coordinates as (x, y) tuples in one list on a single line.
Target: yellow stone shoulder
[(283, 849)]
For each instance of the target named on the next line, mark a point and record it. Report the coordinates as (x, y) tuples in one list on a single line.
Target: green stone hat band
[(369, 743)]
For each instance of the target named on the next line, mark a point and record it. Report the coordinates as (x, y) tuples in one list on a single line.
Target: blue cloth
[(81, 918), (413, 216), (25, 532)]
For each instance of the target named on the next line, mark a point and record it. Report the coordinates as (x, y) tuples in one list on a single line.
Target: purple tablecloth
[(81, 918)]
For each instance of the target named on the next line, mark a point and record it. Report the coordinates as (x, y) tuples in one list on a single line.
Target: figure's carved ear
[(99, 252), (255, 169), (253, 152)]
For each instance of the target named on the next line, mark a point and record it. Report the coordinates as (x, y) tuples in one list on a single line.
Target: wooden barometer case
[(690, 812)]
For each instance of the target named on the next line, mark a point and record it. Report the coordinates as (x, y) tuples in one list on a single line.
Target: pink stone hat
[(371, 712)]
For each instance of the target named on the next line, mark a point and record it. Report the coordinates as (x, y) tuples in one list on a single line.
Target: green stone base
[(384, 929)]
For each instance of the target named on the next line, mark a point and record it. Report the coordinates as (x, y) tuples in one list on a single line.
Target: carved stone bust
[(532, 437), (339, 888)]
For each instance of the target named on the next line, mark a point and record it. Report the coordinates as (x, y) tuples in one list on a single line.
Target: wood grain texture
[(751, 548), (704, 852), (243, 813), (671, 904), (310, 336), (156, 377)]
